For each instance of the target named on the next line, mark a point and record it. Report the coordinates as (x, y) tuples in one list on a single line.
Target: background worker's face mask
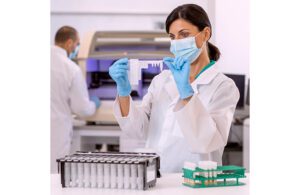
[(186, 48), (74, 53)]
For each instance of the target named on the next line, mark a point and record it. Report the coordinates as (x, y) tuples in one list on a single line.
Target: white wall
[(120, 6), (232, 35)]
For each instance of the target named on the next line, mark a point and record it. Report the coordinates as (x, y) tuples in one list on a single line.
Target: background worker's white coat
[(196, 131), (68, 95)]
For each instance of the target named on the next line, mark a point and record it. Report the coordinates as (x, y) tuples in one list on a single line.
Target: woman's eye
[(172, 37), (185, 34)]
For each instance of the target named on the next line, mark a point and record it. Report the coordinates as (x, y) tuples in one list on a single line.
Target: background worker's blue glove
[(180, 69), (96, 100), (118, 72)]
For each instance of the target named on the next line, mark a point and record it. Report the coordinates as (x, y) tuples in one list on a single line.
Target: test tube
[(113, 175), (93, 173), (133, 172), (100, 174), (74, 172), (204, 166), (215, 165), (206, 170), (210, 172), (206, 173), (120, 175), (140, 179), (126, 175), (107, 174), (86, 173), (80, 172), (67, 173)]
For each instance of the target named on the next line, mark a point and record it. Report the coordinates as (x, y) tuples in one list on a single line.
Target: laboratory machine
[(99, 50)]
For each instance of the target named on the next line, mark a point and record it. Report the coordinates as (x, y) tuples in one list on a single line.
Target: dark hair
[(65, 33), (197, 16)]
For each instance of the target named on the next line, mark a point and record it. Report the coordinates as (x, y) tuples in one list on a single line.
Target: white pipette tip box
[(122, 170)]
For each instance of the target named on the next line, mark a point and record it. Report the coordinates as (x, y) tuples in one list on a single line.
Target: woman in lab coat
[(187, 113)]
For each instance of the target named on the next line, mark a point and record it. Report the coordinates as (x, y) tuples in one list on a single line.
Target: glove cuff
[(124, 90), (186, 91)]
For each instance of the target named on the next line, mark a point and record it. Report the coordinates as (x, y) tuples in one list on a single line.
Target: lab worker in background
[(69, 93), (187, 112)]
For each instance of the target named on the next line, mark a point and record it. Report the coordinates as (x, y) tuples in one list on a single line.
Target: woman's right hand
[(118, 72), (180, 69)]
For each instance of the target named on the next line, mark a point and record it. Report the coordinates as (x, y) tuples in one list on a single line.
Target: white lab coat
[(68, 95), (178, 133)]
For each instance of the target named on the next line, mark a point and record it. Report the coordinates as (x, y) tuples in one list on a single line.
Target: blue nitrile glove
[(96, 100), (180, 69), (118, 72)]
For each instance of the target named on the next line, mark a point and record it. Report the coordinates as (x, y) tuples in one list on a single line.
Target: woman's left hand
[(180, 69)]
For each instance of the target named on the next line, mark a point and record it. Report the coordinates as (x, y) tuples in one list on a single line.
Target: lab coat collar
[(207, 76), (59, 50)]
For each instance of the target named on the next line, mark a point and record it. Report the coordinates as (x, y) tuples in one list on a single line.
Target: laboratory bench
[(98, 130), (86, 137), (167, 184)]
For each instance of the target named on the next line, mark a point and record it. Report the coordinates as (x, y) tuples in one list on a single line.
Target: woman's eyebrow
[(183, 30), (171, 34)]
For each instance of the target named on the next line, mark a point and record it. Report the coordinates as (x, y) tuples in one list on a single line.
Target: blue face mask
[(186, 48), (74, 53)]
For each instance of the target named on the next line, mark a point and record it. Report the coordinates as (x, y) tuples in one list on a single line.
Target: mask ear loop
[(204, 42), (197, 34)]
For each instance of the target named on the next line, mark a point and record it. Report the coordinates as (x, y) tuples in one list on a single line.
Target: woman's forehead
[(181, 24)]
